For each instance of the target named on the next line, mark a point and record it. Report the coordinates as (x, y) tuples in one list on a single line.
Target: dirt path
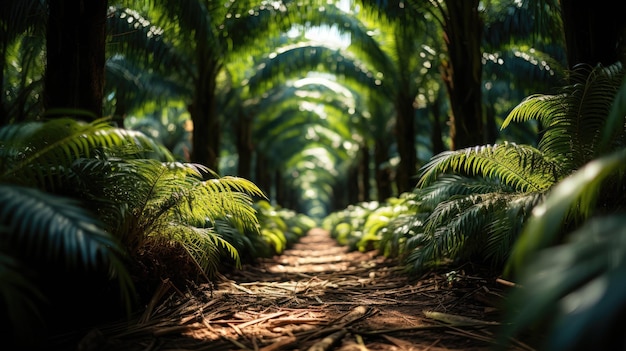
[(317, 296)]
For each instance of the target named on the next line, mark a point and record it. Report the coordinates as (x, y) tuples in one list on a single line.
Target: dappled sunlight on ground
[(317, 294)]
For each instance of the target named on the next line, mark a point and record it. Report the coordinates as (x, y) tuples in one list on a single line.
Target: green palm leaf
[(203, 245), (133, 34), (467, 217), (37, 152), (573, 119), (60, 229), (519, 166), (573, 198), (577, 288), (304, 57)]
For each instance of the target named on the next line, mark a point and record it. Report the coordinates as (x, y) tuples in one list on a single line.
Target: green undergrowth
[(93, 218)]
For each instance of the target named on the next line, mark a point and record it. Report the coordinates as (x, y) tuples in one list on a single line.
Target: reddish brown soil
[(317, 296)]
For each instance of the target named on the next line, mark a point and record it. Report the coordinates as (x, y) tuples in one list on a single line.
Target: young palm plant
[(570, 257), (479, 211), (83, 203)]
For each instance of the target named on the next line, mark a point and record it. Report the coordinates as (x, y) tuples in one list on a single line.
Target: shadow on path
[(317, 296)]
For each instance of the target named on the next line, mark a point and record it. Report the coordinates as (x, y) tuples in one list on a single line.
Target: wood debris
[(317, 296)]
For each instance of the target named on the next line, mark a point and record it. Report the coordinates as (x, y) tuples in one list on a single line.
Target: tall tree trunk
[(4, 113), (353, 184), (364, 171), (75, 56), (206, 134), (436, 134), (279, 186), (462, 74), (243, 141), (340, 196), (262, 175), (405, 137), (382, 173), (594, 33), (491, 128)]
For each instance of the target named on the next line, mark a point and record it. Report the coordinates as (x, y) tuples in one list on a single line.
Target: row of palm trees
[(548, 217), (93, 217), (201, 53), (399, 81)]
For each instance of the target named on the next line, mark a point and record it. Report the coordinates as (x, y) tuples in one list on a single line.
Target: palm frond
[(246, 244), (573, 119), (575, 290), (507, 224), (304, 57), (573, 198), (38, 152), (613, 134), (473, 225), (375, 223), (18, 17), (521, 167), (171, 201), (275, 238), (203, 245), (60, 229), (133, 34), (449, 185), (401, 230)]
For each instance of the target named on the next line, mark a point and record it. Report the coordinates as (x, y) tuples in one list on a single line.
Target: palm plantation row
[(410, 101)]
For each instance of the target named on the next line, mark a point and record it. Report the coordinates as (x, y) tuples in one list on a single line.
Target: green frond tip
[(535, 107), (239, 184), (205, 246), (522, 167)]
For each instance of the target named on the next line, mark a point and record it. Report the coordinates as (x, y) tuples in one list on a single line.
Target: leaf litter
[(316, 296)]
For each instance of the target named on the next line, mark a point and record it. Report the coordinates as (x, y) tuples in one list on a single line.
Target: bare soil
[(318, 296)]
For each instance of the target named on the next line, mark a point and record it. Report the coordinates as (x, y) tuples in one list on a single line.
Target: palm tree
[(305, 57), (337, 103), (75, 53), (207, 37), (595, 35), (83, 202), (303, 161), (480, 210), (571, 251), (21, 40), (463, 25)]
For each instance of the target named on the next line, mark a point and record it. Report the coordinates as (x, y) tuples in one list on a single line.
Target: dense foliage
[(483, 137), (551, 214), (87, 198)]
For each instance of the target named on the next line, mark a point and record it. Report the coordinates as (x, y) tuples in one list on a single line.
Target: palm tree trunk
[(353, 184), (4, 113), (405, 137), (75, 56), (382, 173), (279, 186), (263, 178), (462, 74), (364, 170), (594, 34), (206, 124), (436, 134), (243, 136)]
